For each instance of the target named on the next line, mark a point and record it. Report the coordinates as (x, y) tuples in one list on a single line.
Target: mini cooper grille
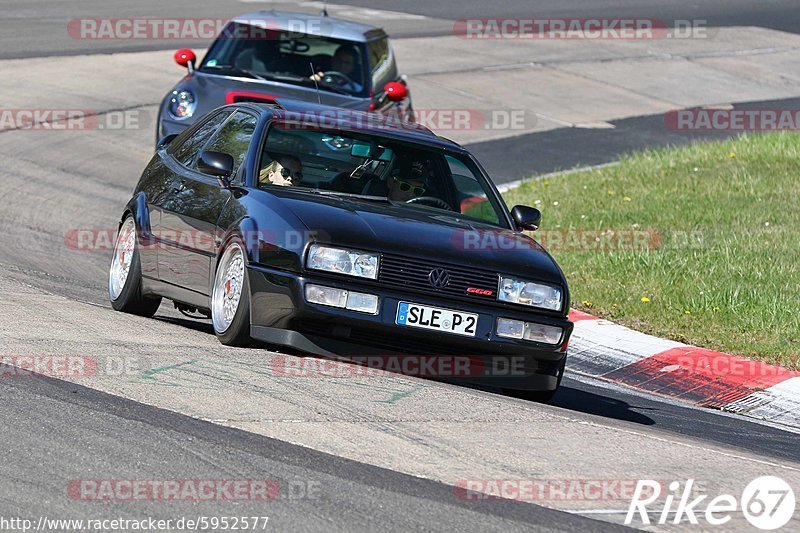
[(415, 274)]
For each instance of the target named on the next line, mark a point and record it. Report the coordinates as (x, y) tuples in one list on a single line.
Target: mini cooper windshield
[(378, 169), (290, 57)]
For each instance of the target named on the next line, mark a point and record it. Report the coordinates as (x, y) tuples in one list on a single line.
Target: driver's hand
[(318, 76)]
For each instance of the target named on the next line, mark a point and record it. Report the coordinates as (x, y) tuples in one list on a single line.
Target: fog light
[(317, 294), (516, 329), (364, 303), (353, 301), (542, 333), (512, 329)]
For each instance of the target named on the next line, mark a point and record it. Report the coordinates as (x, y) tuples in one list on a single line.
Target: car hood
[(217, 90), (421, 233)]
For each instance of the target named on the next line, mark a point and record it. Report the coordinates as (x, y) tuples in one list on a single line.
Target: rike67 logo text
[(767, 502)]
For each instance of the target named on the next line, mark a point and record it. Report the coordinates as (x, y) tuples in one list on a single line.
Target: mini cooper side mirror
[(395, 91), (217, 164), (185, 57), (526, 217)]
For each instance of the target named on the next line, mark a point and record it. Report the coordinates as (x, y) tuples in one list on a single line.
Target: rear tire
[(125, 275), (230, 298)]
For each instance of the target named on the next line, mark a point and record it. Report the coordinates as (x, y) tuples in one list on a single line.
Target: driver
[(285, 170), (407, 181), (344, 62)]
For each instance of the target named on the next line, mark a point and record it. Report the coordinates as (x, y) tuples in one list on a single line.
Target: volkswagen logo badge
[(439, 278)]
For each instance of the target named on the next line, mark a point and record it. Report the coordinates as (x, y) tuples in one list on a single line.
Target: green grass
[(724, 272)]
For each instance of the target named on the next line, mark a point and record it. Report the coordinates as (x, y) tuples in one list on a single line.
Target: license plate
[(436, 318)]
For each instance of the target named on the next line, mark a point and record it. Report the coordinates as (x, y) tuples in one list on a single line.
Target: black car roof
[(337, 118)]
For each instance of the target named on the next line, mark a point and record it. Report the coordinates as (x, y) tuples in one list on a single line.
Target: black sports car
[(347, 236)]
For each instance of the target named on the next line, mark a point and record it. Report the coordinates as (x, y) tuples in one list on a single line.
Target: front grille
[(413, 274)]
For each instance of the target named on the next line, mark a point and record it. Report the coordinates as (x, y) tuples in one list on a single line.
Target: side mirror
[(164, 142), (395, 91), (526, 217), (216, 164), (185, 57)]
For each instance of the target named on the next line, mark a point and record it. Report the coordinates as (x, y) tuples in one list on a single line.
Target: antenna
[(314, 77), (324, 12)]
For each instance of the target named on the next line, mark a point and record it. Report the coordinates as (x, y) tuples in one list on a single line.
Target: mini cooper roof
[(320, 25)]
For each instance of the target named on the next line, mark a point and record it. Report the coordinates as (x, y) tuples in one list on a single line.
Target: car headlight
[(182, 104), (528, 293), (340, 261)]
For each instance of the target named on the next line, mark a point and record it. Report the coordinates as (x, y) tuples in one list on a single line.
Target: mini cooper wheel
[(125, 275), (230, 298)]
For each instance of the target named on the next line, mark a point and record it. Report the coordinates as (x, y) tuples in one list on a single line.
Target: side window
[(472, 198), (381, 63), (233, 138), (186, 153)]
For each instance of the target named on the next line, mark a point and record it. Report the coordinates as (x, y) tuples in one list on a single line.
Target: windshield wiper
[(288, 78), (237, 70), (308, 81)]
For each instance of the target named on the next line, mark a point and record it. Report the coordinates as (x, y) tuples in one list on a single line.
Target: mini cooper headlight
[(340, 261), (182, 104), (529, 293)]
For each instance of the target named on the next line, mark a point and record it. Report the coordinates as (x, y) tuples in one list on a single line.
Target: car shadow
[(595, 404), (195, 324), (567, 397), (580, 401)]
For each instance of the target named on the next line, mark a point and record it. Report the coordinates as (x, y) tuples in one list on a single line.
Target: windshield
[(377, 169), (338, 66)]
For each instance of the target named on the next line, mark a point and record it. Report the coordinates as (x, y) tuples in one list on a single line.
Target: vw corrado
[(266, 55), (341, 235)]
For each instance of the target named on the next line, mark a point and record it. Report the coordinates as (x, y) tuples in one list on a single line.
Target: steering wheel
[(339, 78), (435, 202)]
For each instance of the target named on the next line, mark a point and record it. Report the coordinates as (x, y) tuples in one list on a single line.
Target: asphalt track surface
[(55, 431), (36, 29)]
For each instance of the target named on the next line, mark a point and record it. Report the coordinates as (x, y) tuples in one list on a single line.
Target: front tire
[(125, 275), (230, 298)]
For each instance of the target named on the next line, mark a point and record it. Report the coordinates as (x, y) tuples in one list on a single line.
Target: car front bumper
[(281, 315)]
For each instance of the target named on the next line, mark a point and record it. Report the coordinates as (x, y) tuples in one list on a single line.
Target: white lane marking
[(790, 387), (600, 346)]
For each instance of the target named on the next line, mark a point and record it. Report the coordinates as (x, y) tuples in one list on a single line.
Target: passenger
[(284, 170)]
